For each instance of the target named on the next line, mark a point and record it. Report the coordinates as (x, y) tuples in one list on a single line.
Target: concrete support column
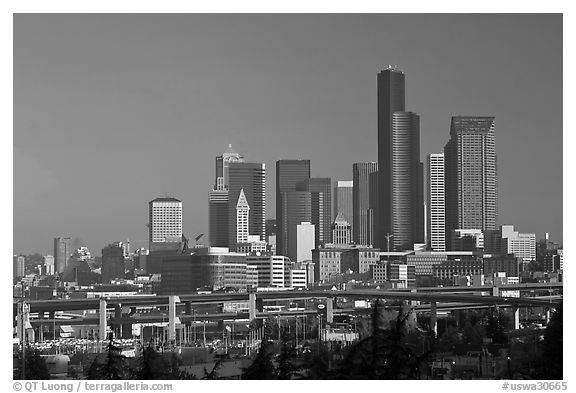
[(252, 306), (433, 318), (329, 310), (495, 291), (516, 312), (117, 325), (102, 317), (172, 300)]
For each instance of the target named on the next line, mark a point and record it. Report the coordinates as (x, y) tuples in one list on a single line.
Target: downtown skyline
[(95, 185)]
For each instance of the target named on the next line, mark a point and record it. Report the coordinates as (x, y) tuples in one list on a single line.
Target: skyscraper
[(343, 200), (320, 189), (112, 262), (62, 252), (470, 174), (165, 222), (251, 178), (218, 199), (242, 215), (401, 211), (364, 200), (297, 208), (288, 174), (435, 202)]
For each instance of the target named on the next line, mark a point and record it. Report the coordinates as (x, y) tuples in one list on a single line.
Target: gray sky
[(111, 111)]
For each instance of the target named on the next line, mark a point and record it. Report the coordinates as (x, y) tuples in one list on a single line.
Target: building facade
[(165, 221), (288, 174), (364, 201), (251, 178), (435, 202), (470, 174), (341, 231), (400, 188), (305, 241), (218, 199), (343, 200), (242, 218), (113, 266), (62, 251), (320, 190)]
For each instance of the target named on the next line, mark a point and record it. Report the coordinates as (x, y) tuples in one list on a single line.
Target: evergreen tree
[(262, 367), (35, 367), (496, 327), (385, 354), (552, 348), (113, 368)]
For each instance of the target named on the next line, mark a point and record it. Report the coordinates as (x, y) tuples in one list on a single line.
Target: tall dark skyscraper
[(400, 185), (364, 200), (470, 174), (252, 178), (288, 174), (218, 199), (321, 206)]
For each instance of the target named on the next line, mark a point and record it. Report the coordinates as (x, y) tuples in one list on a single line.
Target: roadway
[(421, 294)]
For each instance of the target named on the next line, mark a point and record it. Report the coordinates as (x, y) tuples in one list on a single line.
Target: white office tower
[(305, 241), (242, 215), (165, 220)]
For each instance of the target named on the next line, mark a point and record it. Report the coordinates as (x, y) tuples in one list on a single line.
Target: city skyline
[(296, 111)]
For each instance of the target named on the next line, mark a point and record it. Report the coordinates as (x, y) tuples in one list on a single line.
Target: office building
[(467, 240), (305, 241), (242, 217), (400, 275), (49, 265), (435, 202), (297, 208), (463, 266), (341, 231), (509, 264), (506, 240), (213, 267), (62, 251), (165, 223), (218, 218), (401, 208), (320, 190), (112, 262), (218, 199), (364, 201), (326, 263), (273, 270), (18, 266), (470, 175), (359, 259), (343, 200), (288, 174), (251, 178)]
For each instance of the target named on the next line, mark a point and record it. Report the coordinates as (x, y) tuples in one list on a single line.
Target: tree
[(449, 339), (155, 365), (496, 327), (36, 367), (262, 366), (552, 350), (286, 358), (114, 367), (386, 354)]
